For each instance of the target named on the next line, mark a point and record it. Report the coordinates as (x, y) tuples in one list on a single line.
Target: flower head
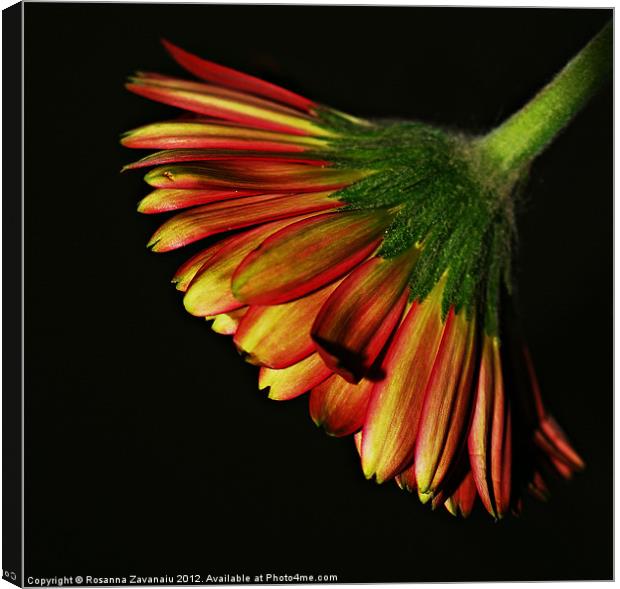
[(363, 263)]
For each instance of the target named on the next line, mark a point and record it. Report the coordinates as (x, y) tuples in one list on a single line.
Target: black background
[(149, 449)]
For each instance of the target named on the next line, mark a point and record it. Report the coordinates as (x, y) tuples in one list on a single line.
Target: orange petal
[(179, 134), (224, 104), (272, 176), (185, 274), (295, 380), (179, 156), (406, 479), (279, 335), (391, 425), (228, 323), (163, 200), (490, 438), (339, 406), (447, 402), (209, 291), (357, 439), (358, 318), (463, 499), (308, 255), (219, 217)]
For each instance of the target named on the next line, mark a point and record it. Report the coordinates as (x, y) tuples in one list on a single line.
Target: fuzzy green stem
[(527, 133)]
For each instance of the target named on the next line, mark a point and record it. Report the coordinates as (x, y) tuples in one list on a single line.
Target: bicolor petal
[(228, 105), (367, 268), (447, 403), (279, 335), (358, 318), (209, 291), (252, 175), (339, 406), (490, 437), (406, 479), (215, 73), (228, 323), (461, 502), (219, 217), (295, 380), (177, 156), (391, 426), (182, 134), (308, 255), (186, 272), (163, 200)]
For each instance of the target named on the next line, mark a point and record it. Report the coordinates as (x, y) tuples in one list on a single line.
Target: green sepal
[(442, 198)]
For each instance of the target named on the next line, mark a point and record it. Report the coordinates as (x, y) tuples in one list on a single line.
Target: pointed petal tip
[(317, 421), (450, 505), (369, 472), (424, 497), (423, 481)]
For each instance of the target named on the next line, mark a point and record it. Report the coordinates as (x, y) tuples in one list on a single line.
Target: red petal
[(279, 335), (501, 450), (538, 487), (406, 479), (490, 443), (295, 380), (214, 102), (339, 406), (210, 90), (479, 433), (551, 429), (549, 436), (536, 396), (212, 72), (463, 499), (447, 402), (170, 156), (565, 470), (218, 144), (391, 425), (307, 256), (270, 176), (358, 318), (211, 219)]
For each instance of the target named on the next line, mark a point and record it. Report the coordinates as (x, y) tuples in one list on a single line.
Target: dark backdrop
[(149, 449)]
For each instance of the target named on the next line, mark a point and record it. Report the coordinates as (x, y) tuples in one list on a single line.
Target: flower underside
[(363, 262)]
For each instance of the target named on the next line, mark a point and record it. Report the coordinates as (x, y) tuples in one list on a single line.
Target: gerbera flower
[(364, 263)]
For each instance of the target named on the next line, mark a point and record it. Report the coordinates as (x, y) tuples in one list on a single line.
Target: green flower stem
[(527, 133)]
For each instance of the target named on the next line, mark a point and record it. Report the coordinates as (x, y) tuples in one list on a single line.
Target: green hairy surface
[(444, 199)]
